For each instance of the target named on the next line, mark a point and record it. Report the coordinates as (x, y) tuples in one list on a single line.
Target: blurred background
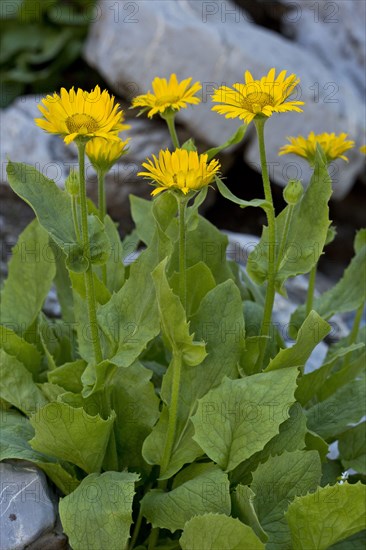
[(122, 45)]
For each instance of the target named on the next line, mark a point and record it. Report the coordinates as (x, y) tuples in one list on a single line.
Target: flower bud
[(293, 192), (72, 183)]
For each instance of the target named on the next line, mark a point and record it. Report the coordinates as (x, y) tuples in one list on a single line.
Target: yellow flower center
[(255, 101), (167, 99), (81, 123)]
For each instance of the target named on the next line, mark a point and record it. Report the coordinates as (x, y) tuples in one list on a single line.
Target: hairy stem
[(270, 291), (89, 282), (170, 120), (102, 208)]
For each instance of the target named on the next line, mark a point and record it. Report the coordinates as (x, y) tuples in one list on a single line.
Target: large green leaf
[(341, 377), (238, 418), (115, 267), (327, 516), (173, 321), (31, 271), (291, 437), (17, 386), (348, 294), (217, 531), (352, 448), (130, 394), (15, 433), (98, 514), (68, 375), (312, 331), (331, 416), (307, 232), (276, 483), (52, 207), (130, 319), (206, 491), (199, 281), (71, 434)]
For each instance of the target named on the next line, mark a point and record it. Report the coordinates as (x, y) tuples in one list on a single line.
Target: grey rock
[(215, 42), (26, 508)]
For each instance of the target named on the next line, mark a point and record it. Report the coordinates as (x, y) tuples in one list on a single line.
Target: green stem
[(311, 288), (182, 203), (89, 282), (356, 324), (136, 530), (74, 207), (102, 209), (173, 410), (270, 292), (153, 538), (170, 120), (101, 196)]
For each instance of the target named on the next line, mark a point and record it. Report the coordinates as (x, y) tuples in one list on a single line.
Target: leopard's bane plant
[(163, 402)]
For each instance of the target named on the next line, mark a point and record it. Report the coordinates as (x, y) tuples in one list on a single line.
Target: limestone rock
[(26, 509), (215, 42)]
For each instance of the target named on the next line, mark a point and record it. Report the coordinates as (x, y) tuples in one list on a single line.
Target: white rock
[(26, 509), (215, 42)]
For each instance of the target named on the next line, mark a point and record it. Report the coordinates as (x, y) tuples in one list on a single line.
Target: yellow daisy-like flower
[(257, 97), (88, 114), (363, 149), (104, 153), (332, 145), (181, 170), (172, 95)]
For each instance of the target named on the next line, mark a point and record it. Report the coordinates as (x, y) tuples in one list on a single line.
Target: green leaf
[(17, 386), (352, 448), (242, 507), (331, 416), (115, 266), (174, 326), (225, 192), (238, 418), (211, 531), (52, 207), (312, 331), (236, 138), (189, 145), (199, 281), (311, 384), (63, 284), (291, 437), (360, 240), (306, 235), (26, 353), (342, 376), (68, 375), (355, 542), (207, 492), (329, 515), (98, 514), (130, 394), (31, 271), (130, 319), (15, 433), (276, 483), (71, 434), (100, 246), (347, 295)]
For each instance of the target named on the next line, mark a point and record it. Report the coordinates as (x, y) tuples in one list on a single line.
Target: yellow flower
[(363, 149), (332, 145), (88, 114), (257, 97), (182, 170), (104, 153), (172, 95)]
